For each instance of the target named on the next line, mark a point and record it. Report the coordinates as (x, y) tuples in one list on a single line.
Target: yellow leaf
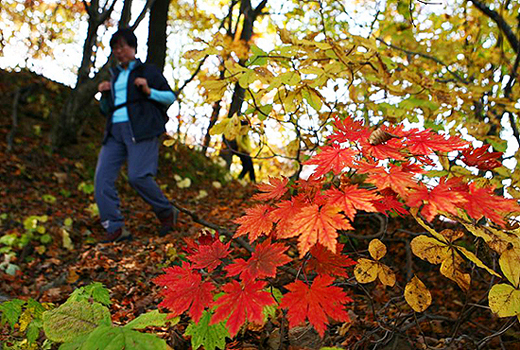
[(429, 249), (376, 249), (434, 233), (312, 70), (473, 258), (25, 319), (291, 78), (514, 192), (510, 265), (451, 268), (169, 142), (66, 241), (220, 127), (386, 275), (451, 236), (366, 270), (246, 78), (497, 240), (215, 89), (504, 300), (460, 171), (233, 128), (443, 159), (417, 295)]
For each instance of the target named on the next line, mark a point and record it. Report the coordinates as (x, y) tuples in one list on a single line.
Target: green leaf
[(46, 238), (99, 293), (257, 51), (429, 124), (49, 198), (95, 290), (263, 112), (209, 336), (312, 97), (246, 78), (290, 78), (74, 319), (152, 318), (498, 146), (270, 310), (9, 240), (11, 311), (33, 331), (106, 337)]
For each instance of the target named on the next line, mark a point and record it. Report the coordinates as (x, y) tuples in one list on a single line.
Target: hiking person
[(134, 101)]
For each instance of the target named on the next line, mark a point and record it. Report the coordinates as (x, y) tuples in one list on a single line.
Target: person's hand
[(142, 85), (104, 86)]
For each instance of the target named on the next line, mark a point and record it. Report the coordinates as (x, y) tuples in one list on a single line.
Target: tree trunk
[(157, 33)]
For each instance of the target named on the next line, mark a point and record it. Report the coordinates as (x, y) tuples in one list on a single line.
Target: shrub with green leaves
[(83, 322)]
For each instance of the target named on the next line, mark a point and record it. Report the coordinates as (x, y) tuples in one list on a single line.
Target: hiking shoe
[(118, 235), (168, 223)]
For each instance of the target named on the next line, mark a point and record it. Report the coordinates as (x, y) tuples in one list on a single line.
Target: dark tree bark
[(157, 33)]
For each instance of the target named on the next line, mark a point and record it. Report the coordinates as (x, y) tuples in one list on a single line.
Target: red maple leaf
[(262, 263), (396, 179), (255, 222), (185, 291), (425, 142), (192, 244), (483, 202), (315, 303), (325, 262), (241, 301), (481, 158), (440, 198), (349, 129), (209, 256), (318, 224), (391, 149), (275, 189), (332, 158), (370, 167), (351, 198), (283, 215), (390, 202)]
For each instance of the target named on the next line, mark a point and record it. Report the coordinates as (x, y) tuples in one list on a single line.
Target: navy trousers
[(142, 158)]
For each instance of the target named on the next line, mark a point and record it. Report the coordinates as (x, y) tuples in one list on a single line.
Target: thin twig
[(504, 329)]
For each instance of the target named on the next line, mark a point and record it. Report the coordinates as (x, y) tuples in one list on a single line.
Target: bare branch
[(193, 75)]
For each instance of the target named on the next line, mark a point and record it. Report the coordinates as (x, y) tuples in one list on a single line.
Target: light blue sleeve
[(164, 97)]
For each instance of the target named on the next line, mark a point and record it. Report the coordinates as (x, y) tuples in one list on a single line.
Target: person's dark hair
[(125, 34)]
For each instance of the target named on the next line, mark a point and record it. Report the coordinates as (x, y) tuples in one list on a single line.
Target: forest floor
[(54, 190)]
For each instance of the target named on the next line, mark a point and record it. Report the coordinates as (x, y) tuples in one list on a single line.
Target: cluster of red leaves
[(187, 290), (390, 163)]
